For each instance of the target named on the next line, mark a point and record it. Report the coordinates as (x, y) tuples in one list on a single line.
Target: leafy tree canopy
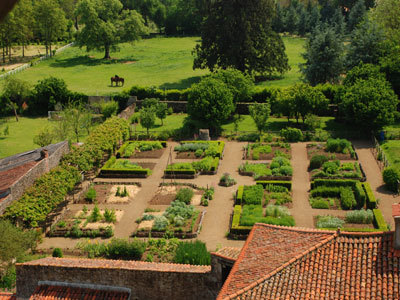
[(240, 36), (386, 13), (107, 24)]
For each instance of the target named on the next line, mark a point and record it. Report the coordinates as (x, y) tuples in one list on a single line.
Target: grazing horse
[(117, 79)]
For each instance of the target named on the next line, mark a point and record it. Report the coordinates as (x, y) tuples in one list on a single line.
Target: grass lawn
[(392, 151), (20, 138), (162, 62), (294, 48)]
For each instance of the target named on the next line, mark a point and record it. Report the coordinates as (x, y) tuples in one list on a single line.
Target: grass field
[(161, 62), (20, 138), (392, 151)]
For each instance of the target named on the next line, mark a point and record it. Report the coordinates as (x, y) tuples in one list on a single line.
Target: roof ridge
[(110, 260), (296, 229), (363, 234), (280, 268)]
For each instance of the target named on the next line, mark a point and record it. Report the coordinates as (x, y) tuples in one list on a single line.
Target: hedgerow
[(50, 189)]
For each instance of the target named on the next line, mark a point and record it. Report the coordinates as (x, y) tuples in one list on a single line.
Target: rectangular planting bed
[(340, 149), (123, 168), (337, 170), (279, 169), (200, 149), (206, 166), (142, 149), (262, 203), (111, 193), (261, 151)]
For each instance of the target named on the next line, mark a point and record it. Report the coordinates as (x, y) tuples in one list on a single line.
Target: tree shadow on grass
[(86, 60), (182, 84)]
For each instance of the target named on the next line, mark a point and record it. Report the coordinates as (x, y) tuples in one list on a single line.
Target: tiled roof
[(266, 249), (49, 292), (229, 253), (117, 264), (7, 296), (360, 266)]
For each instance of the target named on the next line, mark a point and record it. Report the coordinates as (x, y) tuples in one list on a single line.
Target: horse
[(117, 79)]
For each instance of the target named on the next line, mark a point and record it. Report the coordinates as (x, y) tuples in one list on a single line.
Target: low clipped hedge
[(379, 221), (239, 194), (286, 184), (221, 146), (108, 171), (333, 182), (237, 231), (370, 198)]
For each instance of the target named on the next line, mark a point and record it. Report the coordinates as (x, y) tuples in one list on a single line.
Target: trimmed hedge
[(371, 200), (183, 172), (379, 221), (286, 184), (333, 183), (221, 145), (32, 209)]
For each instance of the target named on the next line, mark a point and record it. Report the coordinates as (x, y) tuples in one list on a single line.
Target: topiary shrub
[(57, 252), (391, 177), (317, 161), (291, 134)]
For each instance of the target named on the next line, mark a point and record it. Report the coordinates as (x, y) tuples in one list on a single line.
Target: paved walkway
[(374, 177)]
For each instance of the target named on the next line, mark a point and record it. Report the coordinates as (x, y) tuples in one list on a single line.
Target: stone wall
[(43, 166), (150, 281), (127, 112)]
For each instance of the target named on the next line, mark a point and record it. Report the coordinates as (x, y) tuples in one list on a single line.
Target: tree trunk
[(51, 54), (107, 52), (76, 24), (15, 112), (9, 53), (4, 55), (23, 49), (47, 49)]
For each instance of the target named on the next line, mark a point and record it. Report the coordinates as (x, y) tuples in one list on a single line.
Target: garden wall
[(146, 280), (25, 181)]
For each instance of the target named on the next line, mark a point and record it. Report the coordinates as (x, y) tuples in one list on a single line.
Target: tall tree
[(324, 57), (238, 34), (50, 21), (23, 14), (7, 34), (356, 15), (106, 25), (386, 13), (260, 113), (367, 44)]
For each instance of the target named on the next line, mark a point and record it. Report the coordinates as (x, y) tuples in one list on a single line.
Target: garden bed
[(338, 170), (256, 204), (206, 166), (200, 149), (278, 169), (260, 151), (123, 168), (87, 223), (142, 149), (107, 193), (167, 194), (178, 220), (340, 149), (357, 220)]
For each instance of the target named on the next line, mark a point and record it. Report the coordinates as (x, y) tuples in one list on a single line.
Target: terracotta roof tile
[(7, 296), (345, 266), (396, 210), (49, 292), (229, 253), (117, 264), (267, 248)]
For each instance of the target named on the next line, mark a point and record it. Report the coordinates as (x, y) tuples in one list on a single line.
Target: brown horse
[(117, 79)]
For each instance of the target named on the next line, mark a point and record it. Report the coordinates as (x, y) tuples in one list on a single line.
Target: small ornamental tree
[(210, 101), (162, 111), (147, 118), (260, 114), (370, 104)]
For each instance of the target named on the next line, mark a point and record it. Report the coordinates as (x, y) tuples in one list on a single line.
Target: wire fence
[(379, 154), (30, 64)]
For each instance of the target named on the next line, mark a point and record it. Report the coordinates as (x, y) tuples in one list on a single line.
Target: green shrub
[(264, 183), (91, 195), (258, 170), (109, 109), (333, 183), (198, 152), (331, 167), (239, 194), (206, 164), (251, 214), (160, 223), (95, 216), (108, 232), (359, 194), (329, 222), (125, 249), (110, 216), (371, 200), (347, 199), (178, 208), (319, 203), (193, 253), (253, 194), (272, 188), (291, 134), (57, 252), (227, 180), (317, 161), (276, 211), (185, 195), (326, 192), (360, 216), (237, 213), (338, 146), (391, 177)]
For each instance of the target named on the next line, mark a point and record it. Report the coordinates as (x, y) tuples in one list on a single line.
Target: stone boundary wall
[(43, 166), (127, 112), (155, 281)]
